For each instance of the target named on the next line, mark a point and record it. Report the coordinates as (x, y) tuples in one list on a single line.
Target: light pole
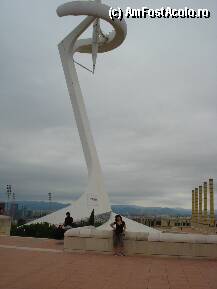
[(8, 191), (50, 200)]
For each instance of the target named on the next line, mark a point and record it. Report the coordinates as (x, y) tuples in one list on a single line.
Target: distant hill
[(119, 209), (150, 211)]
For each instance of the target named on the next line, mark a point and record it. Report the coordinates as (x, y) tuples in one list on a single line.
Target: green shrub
[(40, 230)]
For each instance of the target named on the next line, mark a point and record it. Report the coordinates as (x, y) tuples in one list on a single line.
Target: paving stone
[(35, 269)]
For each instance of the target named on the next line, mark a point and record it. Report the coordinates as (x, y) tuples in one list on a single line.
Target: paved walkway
[(23, 265)]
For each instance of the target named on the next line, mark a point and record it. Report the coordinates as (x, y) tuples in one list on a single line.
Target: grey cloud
[(152, 106)]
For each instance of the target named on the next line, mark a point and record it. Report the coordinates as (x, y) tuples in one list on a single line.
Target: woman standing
[(119, 228)]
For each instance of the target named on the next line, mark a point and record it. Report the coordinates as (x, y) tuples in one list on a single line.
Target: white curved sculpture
[(95, 197), (67, 48)]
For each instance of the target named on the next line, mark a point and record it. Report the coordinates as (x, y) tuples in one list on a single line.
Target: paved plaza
[(29, 263)]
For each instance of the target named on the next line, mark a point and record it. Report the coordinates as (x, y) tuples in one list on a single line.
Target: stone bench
[(142, 243), (91, 239)]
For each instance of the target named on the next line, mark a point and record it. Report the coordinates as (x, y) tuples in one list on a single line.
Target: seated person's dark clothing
[(68, 221), (59, 233)]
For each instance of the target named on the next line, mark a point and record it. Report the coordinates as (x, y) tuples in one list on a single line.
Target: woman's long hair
[(116, 218)]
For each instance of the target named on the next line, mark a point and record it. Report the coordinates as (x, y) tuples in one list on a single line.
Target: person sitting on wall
[(68, 224), (119, 228)]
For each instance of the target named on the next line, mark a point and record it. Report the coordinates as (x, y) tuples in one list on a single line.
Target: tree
[(91, 219)]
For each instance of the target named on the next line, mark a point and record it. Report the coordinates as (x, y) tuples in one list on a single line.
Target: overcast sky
[(152, 104)]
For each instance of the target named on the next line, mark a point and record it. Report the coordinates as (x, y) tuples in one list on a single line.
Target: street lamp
[(50, 200), (8, 191)]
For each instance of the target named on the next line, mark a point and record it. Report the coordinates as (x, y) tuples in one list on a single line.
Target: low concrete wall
[(5, 225), (136, 244)]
